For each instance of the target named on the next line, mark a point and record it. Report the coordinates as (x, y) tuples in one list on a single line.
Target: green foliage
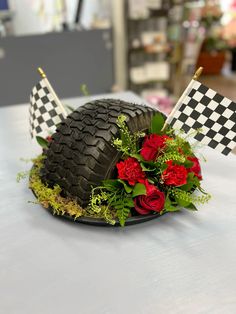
[(22, 175), (139, 189), (188, 163), (128, 142), (42, 142), (105, 213), (191, 206), (84, 90), (169, 207), (214, 44), (123, 206), (157, 123), (115, 195), (187, 198), (192, 182), (128, 189), (97, 200), (148, 166), (175, 156), (178, 145)]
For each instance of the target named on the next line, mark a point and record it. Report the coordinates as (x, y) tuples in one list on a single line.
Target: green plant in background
[(214, 44), (84, 90)]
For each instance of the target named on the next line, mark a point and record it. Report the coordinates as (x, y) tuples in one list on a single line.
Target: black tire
[(80, 155)]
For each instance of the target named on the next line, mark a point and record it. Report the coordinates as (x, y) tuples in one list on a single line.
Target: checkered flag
[(46, 111), (202, 108)]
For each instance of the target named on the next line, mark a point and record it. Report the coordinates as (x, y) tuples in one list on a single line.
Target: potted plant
[(212, 53)]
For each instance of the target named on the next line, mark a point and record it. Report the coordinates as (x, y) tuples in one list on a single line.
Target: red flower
[(153, 145), (49, 138), (196, 169), (153, 200), (174, 174), (131, 171)]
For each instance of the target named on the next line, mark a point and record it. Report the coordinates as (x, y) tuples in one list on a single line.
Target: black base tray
[(102, 223)]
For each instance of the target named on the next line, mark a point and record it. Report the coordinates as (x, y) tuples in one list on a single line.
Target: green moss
[(22, 175), (50, 197)]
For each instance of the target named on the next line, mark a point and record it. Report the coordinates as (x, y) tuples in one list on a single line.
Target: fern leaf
[(122, 207)]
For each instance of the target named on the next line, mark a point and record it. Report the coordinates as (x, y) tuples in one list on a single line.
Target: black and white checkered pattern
[(203, 108), (45, 114)]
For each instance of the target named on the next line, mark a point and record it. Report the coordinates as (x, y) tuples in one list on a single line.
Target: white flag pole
[(180, 101), (58, 102), (233, 151)]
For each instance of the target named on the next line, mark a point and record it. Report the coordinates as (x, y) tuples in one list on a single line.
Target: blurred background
[(150, 47)]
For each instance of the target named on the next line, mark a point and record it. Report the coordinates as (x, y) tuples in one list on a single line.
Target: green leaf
[(128, 189), (145, 167), (162, 166), (202, 190), (111, 184), (42, 142), (192, 182), (137, 156), (181, 202), (139, 189), (122, 207), (123, 138), (191, 206), (157, 123), (188, 163), (169, 206), (186, 147), (129, 202), (123, 214)]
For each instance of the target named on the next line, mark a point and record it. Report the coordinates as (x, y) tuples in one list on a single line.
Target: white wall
[(31, 19), (26, 21)]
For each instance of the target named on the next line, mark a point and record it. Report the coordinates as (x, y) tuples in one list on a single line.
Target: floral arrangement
[(158, 172)]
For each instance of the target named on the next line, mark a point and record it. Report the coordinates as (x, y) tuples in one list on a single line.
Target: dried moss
[(50, 197)]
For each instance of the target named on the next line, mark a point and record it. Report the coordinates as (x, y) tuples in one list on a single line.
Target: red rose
[(153, 200), (131, 171), (153, 145), (174, 174), (196, 169)]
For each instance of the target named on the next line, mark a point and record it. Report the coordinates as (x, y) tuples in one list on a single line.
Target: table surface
[(182, 263)]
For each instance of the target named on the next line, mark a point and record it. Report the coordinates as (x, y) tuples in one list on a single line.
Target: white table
[(181, 263)]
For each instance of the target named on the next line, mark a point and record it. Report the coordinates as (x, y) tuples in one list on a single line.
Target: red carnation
[(154, 200), (196, 169), (131, 171), (153, 145), (49, 138), (174, 174)]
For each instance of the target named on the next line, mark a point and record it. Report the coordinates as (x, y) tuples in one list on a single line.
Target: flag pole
[(179, 102), (58, 102), (233, 151)]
